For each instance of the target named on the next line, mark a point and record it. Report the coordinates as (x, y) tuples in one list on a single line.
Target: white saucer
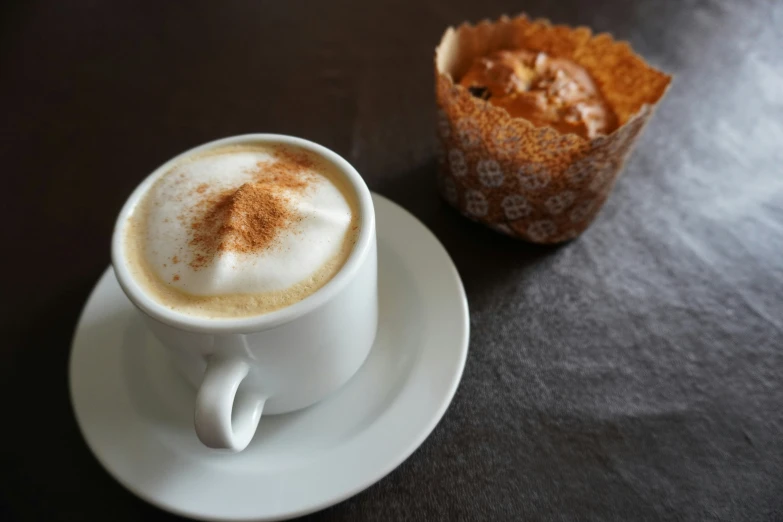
[(136, 413)]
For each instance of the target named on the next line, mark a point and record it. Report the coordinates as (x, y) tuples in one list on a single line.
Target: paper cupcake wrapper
[(533, 182)]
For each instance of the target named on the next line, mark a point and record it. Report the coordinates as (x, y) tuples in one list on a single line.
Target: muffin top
[(544, 90)]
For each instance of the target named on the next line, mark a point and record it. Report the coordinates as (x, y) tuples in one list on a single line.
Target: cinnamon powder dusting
[(249, 218)]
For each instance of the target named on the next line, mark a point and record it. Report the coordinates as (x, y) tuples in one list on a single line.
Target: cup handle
[(226, 418)]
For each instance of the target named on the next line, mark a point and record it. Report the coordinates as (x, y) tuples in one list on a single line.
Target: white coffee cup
[(277, 362)]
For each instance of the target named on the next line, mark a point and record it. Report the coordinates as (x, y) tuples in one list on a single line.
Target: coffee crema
[(242, 230)]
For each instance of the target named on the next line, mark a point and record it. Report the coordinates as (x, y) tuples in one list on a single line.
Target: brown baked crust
[(544, 90)]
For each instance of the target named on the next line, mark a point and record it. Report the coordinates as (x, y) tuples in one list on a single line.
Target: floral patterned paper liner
[(533, 182)]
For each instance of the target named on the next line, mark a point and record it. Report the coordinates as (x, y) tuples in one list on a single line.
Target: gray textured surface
[(633, 374)]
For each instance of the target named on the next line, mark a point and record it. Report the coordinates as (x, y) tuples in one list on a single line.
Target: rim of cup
[(217, 325)]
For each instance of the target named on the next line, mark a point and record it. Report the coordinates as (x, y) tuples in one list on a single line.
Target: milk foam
[(303, 256)]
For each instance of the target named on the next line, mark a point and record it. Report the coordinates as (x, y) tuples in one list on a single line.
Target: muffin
[(535, 122)]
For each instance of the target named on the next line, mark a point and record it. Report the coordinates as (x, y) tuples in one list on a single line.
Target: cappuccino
[(241, 230)]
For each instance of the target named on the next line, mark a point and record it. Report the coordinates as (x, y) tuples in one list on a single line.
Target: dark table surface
[(633, 374)]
